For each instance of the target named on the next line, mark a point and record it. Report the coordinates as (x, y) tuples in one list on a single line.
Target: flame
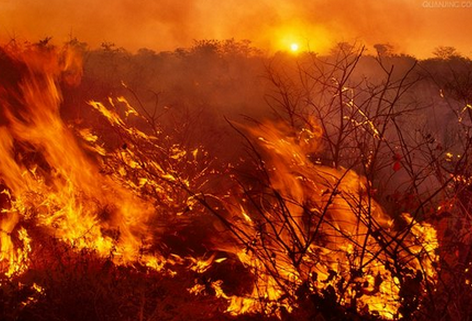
[(49, 177), (321, 230)]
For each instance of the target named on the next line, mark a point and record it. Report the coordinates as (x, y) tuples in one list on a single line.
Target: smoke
[(411, 26)]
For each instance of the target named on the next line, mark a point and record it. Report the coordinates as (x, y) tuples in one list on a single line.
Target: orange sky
[(412, 26)]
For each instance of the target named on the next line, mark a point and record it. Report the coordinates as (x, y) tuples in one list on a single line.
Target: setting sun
[(294, 47)]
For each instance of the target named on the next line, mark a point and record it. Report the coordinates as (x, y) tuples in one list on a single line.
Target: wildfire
[(321, 226), (303, 228)]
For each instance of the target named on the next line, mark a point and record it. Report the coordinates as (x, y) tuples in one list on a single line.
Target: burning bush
[(129, 202)]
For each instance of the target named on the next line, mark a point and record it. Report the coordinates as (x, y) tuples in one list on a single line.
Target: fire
[(49, 178), (322, 226), (301, 229)]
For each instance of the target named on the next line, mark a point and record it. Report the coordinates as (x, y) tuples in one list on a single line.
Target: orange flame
[(64, 190), (322, 231)]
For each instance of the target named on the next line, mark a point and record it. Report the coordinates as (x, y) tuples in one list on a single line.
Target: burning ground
[(136, 192)]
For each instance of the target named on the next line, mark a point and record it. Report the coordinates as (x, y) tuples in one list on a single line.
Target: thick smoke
[(416, 27)]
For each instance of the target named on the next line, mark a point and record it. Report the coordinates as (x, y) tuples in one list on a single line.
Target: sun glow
[(294, 47)]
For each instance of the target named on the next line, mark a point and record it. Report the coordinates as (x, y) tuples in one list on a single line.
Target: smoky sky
[(411, 26)]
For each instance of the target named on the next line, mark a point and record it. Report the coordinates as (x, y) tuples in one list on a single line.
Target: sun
[(294, 47)]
